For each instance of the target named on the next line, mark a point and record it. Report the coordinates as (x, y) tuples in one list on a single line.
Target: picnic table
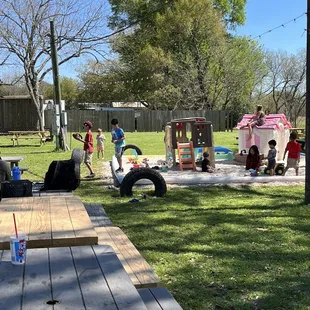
[(28, 134), (301, 132), (13, 160), (82, 277), (48, 221)]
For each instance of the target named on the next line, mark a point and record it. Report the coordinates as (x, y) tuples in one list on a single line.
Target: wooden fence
[(141, 121), (17, 113)]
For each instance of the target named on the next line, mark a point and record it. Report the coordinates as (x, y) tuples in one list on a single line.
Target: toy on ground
[(145, 161), (278, 170)]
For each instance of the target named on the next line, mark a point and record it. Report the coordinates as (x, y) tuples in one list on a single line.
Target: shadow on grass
[(221, 247)]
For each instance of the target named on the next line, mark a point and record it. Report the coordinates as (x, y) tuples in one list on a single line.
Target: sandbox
[(226, 172)]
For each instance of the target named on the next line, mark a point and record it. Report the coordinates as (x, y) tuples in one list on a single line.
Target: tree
[(284, 85), (182, 57), (25, 36), (140, 11)]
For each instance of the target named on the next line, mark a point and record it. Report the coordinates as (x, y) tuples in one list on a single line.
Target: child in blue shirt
[(118, 138)]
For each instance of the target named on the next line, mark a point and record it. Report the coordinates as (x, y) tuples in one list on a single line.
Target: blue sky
[(263, 15)]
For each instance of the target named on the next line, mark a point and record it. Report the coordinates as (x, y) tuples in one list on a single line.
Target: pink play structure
[(276, 127)]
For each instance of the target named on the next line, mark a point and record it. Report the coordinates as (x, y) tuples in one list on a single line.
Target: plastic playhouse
[(276, 127), (189, 148)]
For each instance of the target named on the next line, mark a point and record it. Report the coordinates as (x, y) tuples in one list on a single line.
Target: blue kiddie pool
[(223, 153)]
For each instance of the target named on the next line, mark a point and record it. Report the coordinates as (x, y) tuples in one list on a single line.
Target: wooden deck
[(140, 272), (48, 221), (158, 298)]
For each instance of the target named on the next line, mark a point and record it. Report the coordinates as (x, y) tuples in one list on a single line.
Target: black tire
[(77, 156), (143, 173), (134, 147)]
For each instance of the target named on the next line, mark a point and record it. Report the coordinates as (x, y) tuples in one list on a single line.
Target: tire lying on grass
[(134, 147), (143, 173)]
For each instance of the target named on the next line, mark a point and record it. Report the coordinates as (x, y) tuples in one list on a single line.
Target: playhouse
[(188, 136), (276, 127)]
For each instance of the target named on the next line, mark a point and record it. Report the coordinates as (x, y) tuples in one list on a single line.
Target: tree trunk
[(33, 88)]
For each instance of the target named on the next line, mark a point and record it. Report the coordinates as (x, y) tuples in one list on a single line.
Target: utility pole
[(307, 185), (57, 94)]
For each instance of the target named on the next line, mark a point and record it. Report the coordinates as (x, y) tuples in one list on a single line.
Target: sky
[(264, 15)]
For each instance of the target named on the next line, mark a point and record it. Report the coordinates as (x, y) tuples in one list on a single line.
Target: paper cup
[(18, 249)]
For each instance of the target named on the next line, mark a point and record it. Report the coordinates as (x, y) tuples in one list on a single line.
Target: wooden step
[(158, 298), (140, 272), (184, 145), (187, 162), (185, 152)]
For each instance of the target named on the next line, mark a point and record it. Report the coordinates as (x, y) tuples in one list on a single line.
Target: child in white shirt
[(100, 146)]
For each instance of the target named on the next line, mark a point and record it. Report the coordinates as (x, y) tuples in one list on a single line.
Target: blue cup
[(16, 173)]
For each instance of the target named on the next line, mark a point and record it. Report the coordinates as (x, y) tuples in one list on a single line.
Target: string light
[(280, 26)]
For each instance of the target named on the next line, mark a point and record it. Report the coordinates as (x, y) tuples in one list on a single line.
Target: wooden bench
[(97, 214), (158, 298), (28, 135), (140, 272)]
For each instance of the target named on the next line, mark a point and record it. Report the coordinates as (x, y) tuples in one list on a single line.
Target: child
[(272, 154), (118, 138), (293, 148), (100, 147), (88, 147), (253, 159), (257, 120), (205, 164)]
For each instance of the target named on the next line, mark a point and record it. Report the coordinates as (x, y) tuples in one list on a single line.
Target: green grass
[(38, 158), (212, 247), (221, 247)]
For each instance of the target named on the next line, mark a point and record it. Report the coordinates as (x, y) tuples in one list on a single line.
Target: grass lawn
[(213, 248)]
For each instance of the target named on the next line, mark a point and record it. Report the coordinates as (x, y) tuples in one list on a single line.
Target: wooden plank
[(138, 264), (149, 300), (165, 299), (11, 284), (123, 291), (37, 290), (6, 224), (97, 214), (62, 230), (82, 226), (105, 238), (23, 213), (65, 286), (40, 233), (23, 209), (95, 291)]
